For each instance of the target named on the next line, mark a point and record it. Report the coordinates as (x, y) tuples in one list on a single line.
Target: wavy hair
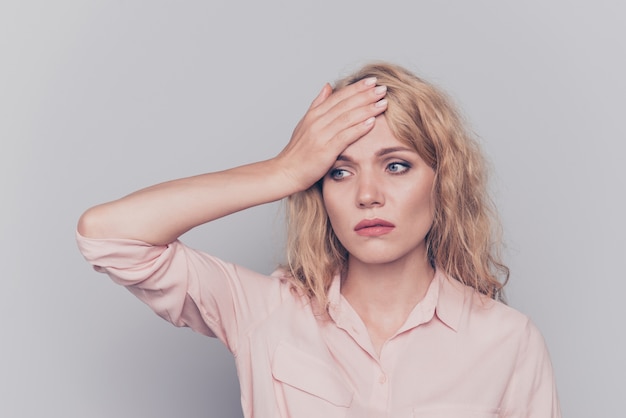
[(464, 240)]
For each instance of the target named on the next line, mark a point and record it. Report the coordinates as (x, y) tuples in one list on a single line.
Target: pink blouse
[(458, 355)]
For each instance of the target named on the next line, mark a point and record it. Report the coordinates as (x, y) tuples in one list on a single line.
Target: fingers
[(348, 136), (350, 126), (358, 115), (349, 104), (344, 116), (364, 103), (347, 92), (353, 116), (332, 123), (323, 95)]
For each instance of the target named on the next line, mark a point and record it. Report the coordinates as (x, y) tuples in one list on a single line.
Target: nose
[(370, 192)]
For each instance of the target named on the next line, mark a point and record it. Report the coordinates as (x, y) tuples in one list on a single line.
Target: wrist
[(289, 175)]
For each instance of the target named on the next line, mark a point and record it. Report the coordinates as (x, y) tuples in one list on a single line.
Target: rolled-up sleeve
[(187, 287)]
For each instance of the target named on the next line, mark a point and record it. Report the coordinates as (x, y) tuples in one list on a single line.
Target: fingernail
[(369, 121), (381, 103), (380, 89), (370, 81)]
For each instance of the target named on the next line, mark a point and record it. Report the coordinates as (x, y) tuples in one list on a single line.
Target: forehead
[(380, 137)]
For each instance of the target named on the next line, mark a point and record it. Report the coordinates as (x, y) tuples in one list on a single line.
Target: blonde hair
[(464, 240)]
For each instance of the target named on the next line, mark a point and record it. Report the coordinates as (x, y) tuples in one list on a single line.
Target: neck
[(384, 295), (390, 288)]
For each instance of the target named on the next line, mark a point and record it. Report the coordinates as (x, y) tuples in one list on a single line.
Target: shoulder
[(476, 313), (501, 338)]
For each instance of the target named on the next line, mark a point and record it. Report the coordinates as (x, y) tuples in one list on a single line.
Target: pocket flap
[(310, 374)]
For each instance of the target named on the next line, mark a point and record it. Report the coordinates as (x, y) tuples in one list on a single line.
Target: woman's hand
[(161, 213), (332, 123)]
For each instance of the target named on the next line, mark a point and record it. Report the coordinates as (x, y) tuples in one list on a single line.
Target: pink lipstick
[(373, 227)]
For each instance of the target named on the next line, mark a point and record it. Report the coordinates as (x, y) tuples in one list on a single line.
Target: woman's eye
[(338, 174), (397, 168)]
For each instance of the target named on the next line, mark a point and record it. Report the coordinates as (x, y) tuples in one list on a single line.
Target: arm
[(187, 287), (160, 213), (532, 393)]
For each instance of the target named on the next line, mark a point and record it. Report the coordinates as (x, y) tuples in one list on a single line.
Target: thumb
[(323, 95)]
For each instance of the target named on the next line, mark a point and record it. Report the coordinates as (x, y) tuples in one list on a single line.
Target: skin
[(161, 213), (379, 177)]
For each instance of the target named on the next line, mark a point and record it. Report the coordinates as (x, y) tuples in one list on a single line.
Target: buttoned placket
[(347, 318), (380, 388)]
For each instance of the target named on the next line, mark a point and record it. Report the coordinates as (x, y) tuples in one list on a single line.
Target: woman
[(388, 304)]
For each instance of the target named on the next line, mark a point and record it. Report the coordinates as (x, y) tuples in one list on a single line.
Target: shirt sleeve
[(532, 393), (187, 287)]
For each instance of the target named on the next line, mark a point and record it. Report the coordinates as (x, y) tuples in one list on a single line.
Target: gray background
[(99, 98)]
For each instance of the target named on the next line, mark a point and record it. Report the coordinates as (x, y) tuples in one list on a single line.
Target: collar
[(445, 297), (334, 299), (451, 300)]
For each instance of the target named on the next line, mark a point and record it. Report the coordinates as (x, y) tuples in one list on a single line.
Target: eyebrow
[(379, 153)]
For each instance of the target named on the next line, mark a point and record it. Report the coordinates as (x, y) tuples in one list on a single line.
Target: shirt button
[(382, 379)]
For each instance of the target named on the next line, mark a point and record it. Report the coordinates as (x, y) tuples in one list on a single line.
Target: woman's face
[(378, 196)]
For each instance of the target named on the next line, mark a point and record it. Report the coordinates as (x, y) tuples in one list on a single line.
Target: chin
[(375, 258), (387, 254)]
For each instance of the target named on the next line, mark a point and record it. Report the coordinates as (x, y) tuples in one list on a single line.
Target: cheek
[(422, 202), (427, 202), (330, 204), (335, 208)]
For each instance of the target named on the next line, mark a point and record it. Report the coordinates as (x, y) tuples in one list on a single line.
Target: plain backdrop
[(100, 98)]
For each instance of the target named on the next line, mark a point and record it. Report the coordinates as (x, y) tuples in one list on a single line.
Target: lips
[(373, 227)]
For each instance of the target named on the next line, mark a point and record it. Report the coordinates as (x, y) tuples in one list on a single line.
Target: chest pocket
[(311, 386), (456, 412)]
